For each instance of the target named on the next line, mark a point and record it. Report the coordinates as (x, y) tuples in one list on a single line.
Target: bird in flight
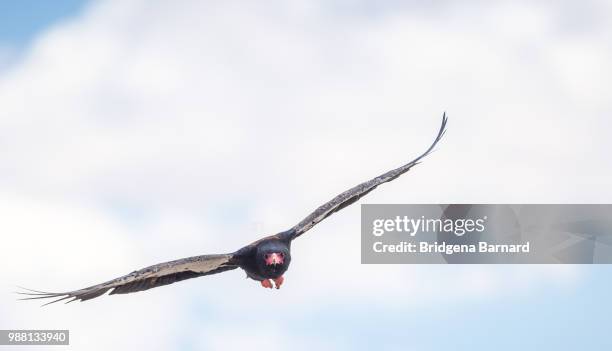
[(265, 260)]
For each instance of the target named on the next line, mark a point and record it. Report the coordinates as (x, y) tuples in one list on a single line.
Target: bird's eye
[(266, 256), (282, 255)]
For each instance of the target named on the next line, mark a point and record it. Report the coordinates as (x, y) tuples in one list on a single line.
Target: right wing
[(355, 193), (146, 278)]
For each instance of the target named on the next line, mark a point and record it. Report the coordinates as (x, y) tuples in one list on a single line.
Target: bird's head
[(273, 258)]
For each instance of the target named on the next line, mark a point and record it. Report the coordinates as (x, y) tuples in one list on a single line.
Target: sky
[(21, 21), (137, 132)]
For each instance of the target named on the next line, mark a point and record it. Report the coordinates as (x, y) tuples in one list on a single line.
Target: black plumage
[(264, 260)]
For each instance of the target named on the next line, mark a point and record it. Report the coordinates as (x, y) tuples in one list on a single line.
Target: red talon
[(278, 282), (266, 283)]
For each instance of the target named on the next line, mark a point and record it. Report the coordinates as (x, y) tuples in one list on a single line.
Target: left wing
[(350, 196), (146, 278)]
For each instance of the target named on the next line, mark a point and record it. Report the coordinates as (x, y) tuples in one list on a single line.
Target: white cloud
[(58, 247), (146, 131)]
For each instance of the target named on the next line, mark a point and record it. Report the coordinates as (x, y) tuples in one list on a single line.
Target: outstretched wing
[(146, 278), (350, 196)]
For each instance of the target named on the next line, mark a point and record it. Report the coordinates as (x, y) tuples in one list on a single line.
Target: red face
[(274, 258)]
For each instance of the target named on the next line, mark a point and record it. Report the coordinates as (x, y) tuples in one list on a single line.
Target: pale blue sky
[(20, 21), (146, 178)]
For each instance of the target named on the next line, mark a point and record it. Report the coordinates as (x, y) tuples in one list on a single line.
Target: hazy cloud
[(145, 131)]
